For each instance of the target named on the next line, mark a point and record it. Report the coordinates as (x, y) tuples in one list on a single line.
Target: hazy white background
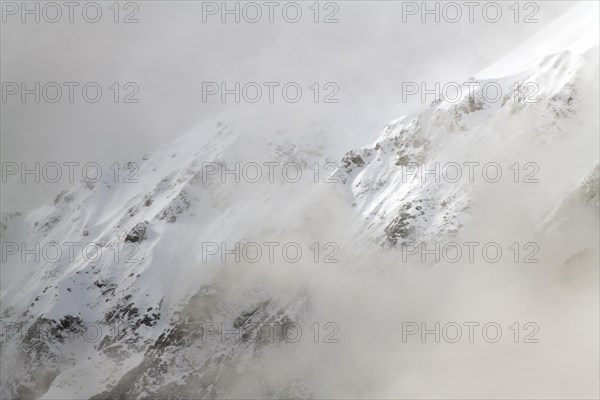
[(170, 52)]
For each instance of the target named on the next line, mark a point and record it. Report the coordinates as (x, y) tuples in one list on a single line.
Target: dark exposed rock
[(400, 227), (147, 200), (180, 204), (137, 234)]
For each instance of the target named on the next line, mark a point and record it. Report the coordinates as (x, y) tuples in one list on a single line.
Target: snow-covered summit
[(576, 31)]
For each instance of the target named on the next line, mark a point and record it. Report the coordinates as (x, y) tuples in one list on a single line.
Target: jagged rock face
[(137, 234), (148, 322), (141, 333), (216, 367), (414, 182)]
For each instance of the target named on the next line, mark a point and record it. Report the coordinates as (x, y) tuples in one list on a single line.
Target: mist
[(353, 264), (169, 52)]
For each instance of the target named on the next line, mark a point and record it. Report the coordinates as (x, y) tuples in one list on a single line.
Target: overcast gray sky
[(170, 51)]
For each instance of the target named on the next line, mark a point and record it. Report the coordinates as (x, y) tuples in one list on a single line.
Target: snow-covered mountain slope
[(575, 31), (146, 322), (150, 229), (418, 179)]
